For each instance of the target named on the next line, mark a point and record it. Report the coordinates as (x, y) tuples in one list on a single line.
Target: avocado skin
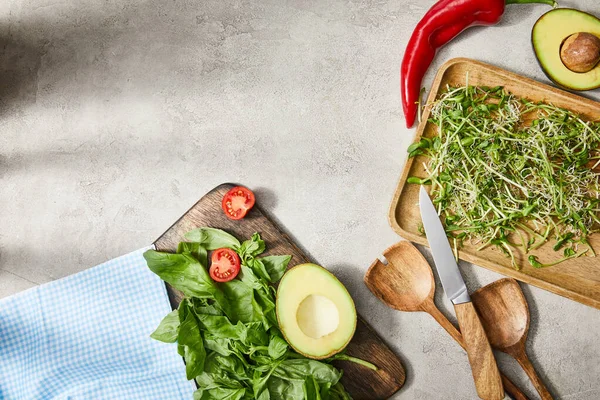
[(547, 73)]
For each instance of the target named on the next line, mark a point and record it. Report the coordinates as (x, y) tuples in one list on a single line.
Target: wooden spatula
[(406, 283), (504, 314)]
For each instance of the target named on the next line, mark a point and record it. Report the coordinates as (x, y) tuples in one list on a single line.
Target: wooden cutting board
[(360, 382), (578, 279)]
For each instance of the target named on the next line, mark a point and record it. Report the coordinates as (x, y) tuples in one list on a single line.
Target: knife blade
[(483, 364), (452, 281)]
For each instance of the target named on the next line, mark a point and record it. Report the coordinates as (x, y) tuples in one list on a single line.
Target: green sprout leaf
[(503, 167)]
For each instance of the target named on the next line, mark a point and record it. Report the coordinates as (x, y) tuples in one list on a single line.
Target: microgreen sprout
[(511, 173)]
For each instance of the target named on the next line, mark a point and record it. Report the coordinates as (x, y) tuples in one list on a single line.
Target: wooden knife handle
[(483, 364)]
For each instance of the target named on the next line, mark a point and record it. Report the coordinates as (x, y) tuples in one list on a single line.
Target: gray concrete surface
[(117, 115)]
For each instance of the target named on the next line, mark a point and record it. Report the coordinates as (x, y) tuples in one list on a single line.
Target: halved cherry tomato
[(237, 202), (225, 265)]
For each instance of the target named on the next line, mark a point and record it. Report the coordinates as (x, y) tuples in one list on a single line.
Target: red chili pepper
[(442, 23)]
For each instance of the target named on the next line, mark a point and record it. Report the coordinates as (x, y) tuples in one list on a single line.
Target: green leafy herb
[(183, 272), (251, 247), (568, 254), (227, 332), (277, 347), (168, 329), (418, 181), (212, 239), (511, 173), (190, 338), (275, 266), (195, 249), (562, 240)]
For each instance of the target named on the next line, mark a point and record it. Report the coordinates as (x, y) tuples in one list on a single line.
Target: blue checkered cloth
[(87, 337)]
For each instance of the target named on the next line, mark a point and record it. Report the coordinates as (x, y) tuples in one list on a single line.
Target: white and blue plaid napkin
[(87, 337)]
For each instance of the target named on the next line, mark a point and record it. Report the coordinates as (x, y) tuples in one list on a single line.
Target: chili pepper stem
[(549, 2)]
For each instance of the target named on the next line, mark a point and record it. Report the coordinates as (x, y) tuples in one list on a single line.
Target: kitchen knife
[(483, 364)]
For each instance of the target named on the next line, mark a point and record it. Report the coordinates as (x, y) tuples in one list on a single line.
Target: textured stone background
[(117, 115)]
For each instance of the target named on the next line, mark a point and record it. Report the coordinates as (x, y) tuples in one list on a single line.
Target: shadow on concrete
[(19, 65), (266, 198)]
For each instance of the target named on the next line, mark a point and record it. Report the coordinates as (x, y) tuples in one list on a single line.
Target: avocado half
[(547, 37), (316, 314)]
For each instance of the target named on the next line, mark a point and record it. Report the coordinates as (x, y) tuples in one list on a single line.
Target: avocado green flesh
[(315, 312), (547, 36)]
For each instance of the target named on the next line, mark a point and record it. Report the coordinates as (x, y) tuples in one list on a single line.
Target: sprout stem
[(500, 164)]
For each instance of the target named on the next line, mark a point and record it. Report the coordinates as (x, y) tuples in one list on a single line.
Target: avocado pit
[(580, 52), (317, 316)]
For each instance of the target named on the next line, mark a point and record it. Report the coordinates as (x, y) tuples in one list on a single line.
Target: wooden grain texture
[(521, 356), (509, 386), (483, 364), (577, 279), (406, 283), (361, 383), (504, 314)]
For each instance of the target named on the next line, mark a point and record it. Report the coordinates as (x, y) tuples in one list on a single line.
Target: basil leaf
[(264, 303), (233, 366), (338, 392), (226, 394), (196, 250), (194, 361), (275, 266), (194, 353), (259, 383), (299, 369), (264, 395), (247, 276), (312, 390), (264, 362), (218, 345), (183, 310), (168, 328), (262, 300), (202, 306), (257, 335), (218, 385), (324, 389), (277, 347), (239, 297), (259, 268), (256, 245), (210, 310), (220, 393), (221, 327), (280, 389), (252, 247), (181, 271), (209, 380), (185, 273), (212, 239)]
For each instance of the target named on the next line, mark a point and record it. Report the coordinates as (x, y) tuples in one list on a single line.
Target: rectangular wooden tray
[(578, 279), (360, 382)]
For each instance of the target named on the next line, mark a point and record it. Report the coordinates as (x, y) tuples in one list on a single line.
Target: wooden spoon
[(406, 283), (504, 314)]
